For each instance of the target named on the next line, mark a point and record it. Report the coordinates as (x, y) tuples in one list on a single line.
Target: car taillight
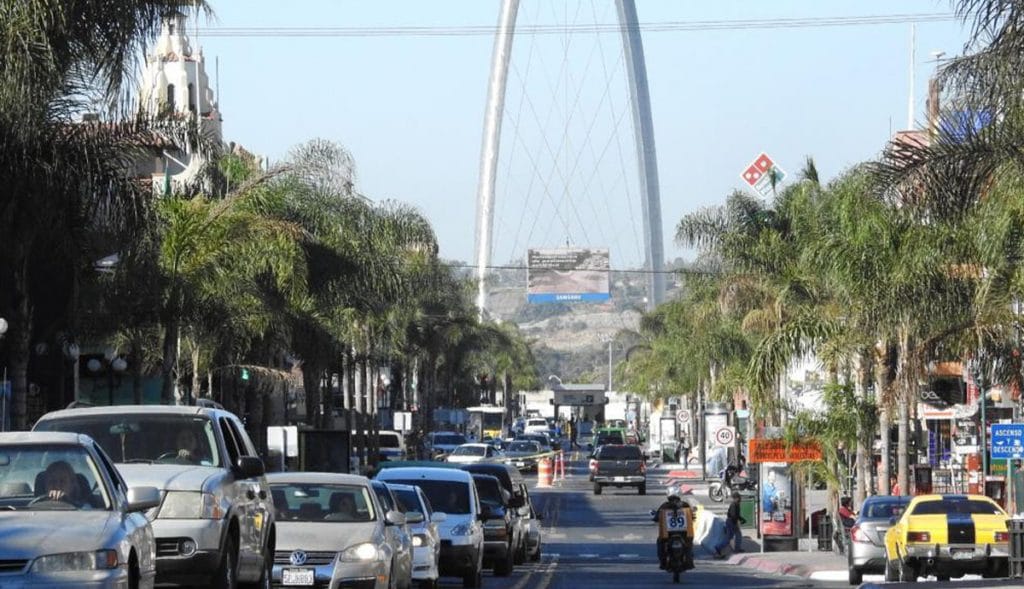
[(1002, 536), (858, 535), (643, 468), (593, 465), (919, 537)]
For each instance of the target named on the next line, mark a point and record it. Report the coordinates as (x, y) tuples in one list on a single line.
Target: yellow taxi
[(947, 536)]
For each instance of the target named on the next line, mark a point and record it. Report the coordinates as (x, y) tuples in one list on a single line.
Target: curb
[(766, 565)]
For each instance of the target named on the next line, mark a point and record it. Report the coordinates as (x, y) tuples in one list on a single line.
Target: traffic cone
[(559, 472), (544, 473)]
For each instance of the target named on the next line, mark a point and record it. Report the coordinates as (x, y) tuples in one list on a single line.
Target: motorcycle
[(678, 547), (729, 481)]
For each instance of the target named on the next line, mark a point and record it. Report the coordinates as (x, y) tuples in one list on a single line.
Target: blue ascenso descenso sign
[(1008, 440)]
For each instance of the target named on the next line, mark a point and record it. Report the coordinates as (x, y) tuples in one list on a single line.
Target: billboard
[(568, 274)]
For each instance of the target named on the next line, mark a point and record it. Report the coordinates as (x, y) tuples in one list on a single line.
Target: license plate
[(619, 479), (520, 463), (297, 576), (962, 553)]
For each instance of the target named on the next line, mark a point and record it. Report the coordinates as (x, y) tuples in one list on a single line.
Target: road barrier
[(544, 474), (559, 470)]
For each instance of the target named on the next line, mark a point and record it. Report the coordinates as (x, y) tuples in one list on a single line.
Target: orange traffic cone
[(544, 473)]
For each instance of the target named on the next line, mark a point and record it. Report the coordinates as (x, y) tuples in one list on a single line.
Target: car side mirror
[(893, 520), (414, 517), (395, 518), (438, 517), (249, 466), (485, 513), (142, 498)]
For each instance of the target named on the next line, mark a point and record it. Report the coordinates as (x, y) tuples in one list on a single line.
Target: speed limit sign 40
[(683, 416), (725, 436)]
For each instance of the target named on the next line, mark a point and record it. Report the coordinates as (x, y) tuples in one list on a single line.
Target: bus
[(486, 421)]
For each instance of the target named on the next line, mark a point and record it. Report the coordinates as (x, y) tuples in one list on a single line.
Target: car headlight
[(75, 561), (190, 505), (462, 530), (361, 553), (419, 540)]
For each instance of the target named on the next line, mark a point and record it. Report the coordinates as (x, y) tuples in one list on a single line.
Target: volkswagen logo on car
[(298, 558)]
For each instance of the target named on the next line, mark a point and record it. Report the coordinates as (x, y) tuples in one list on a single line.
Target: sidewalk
[(822, 566)]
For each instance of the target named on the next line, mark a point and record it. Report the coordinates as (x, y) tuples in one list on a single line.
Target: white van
[(453, 493), (536, 424), (392, 445)]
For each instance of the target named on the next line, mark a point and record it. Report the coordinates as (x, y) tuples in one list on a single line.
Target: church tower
[(174, 82)]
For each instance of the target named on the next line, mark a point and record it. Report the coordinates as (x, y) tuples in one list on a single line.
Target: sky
[(410, 108)]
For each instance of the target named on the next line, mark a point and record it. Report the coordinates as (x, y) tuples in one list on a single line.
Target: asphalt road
[(607, 541)]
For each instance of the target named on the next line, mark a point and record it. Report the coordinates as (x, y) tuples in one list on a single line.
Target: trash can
[(668, 452), (1016, 528), (747, 505), (825, 534)]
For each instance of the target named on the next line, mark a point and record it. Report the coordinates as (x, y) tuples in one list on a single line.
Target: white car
[(426, 540), (536, 424), (68, 518), (332, 532), (444, 442), (470, 453), (452, 492), (392, 445)]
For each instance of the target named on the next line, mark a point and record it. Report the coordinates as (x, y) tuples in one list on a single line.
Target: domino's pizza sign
[(1007, 440), (763, 175)]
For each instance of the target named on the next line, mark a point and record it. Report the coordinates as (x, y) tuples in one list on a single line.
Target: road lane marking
[(629, 556)]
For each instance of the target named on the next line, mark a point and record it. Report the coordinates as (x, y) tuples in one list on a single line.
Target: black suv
[(619, 466)]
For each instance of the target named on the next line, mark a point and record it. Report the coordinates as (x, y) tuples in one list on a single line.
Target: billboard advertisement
[(776, 499), (567, 275)]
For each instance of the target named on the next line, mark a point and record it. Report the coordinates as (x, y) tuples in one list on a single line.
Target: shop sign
[(776, 499), (772, 450), (965, 436)]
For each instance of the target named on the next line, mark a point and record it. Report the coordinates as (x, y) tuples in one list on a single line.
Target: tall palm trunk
[(863, 435), (172, 330), (905, 375), (136, 368), (311, 384), (883, 383), (20, 339)]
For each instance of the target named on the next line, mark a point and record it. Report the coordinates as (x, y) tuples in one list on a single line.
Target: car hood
[(168, 477), (324, 537), (28, 534), (516, 454)]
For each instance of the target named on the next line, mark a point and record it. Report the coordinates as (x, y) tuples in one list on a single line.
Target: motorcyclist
[(673, 504)]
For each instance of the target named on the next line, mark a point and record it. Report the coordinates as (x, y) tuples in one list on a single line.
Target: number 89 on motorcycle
[(675, 522)]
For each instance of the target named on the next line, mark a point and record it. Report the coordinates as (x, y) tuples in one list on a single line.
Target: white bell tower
[(174, 82)]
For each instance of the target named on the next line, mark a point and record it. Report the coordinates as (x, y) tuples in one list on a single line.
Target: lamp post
[(3, 382), (113, 364), (977, 372)]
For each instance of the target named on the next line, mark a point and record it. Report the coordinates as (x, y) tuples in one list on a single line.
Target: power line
[(614, 270), (597, 28)]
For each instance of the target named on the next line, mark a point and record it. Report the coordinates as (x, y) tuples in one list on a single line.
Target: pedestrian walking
[(685, 447), (733, 531)]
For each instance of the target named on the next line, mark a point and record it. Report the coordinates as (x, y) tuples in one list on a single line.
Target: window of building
[(170, 97), (192, 97)]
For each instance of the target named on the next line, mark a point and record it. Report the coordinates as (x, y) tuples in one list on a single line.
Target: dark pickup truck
[(620, 466)]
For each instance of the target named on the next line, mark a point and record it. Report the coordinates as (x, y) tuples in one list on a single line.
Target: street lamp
[(976, 371), (115, 366)]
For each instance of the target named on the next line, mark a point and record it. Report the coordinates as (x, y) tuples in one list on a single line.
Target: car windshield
[(963, 506), (883, 509), (526, 447), (299, 502), (450, 439), (445, 496), (469, 451), (389, 441), (147, 438), (408, 500), (489, 491), (620, 453), (50, 477), (614, 438)]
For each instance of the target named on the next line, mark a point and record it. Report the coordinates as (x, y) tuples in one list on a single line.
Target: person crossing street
[(733, 531)]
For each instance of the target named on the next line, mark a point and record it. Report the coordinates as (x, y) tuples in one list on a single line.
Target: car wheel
[(942, 578), (597, 488), (890, 571), (856, 576), (503, 567), (521, 553), (474, 577), (134, 576), (642, 489), (907, 573), (267, 576), (428, 584), (227, 574)]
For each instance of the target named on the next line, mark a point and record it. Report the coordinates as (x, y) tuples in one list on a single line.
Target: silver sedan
[(68, 518), (331, 531)]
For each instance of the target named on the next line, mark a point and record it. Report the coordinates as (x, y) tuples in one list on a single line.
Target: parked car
[(948, 536), (444, 442), (620, 466), (68, 518), (452, 492), (523, 454), (426, 540), (532, 521), (215, 522), (398, 535), (474, 452), (514, 484), (333, 532), (866, 552), (499, 527)]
